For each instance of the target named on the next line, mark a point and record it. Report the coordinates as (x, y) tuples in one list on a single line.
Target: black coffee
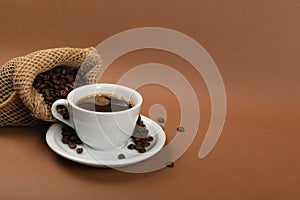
[(104, 103)]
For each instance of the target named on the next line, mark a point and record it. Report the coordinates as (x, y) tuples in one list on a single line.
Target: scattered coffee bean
[(121, 156), (143, 150), (64, 140), (131, 146), (138, 146), (170, 164), (180, 129), (146, 144), (79, 150), (150, 138), (72, 145), (137, 139), (161, 120)]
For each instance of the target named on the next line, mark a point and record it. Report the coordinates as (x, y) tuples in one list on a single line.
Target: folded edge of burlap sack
[(12, 110), (21, 104)]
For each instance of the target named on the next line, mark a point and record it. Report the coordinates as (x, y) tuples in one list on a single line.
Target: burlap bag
[(21, 104)]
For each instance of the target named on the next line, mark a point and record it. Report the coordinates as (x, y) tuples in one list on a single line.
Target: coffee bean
[(72, 145), (66, 129), (55, 94), (79, 150), (67, 137), (67, 133), (73, 138), (64, 140), (145, 139), (62, 82), (47, 92), (78, 141), (138, 146), (150, 138), (69, 78), (170, 164), (50, 84), (137, 139), (121, 156), (131, 146), (42, 86), (146, 144), (54, 80), (66, 116), (57, 70), (63, 111), (46, 77), (49, 98), (161, 120), (63, 93), (50, 72), (142, 150), (180, 129)]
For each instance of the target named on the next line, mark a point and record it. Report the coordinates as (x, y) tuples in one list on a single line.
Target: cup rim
[(132, 91)]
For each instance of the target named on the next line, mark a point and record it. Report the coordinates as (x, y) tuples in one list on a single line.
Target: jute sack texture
[(12, 110), (20, 102)]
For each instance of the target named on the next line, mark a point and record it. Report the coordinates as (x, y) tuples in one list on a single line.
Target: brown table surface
[(255, 45)]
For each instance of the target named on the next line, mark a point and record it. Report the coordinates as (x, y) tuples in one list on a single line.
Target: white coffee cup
[(101, 130)]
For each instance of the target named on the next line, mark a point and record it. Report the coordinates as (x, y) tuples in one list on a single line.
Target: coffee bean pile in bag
[(30, 84)]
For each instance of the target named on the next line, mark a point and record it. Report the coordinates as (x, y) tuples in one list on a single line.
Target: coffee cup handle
[(61, 102)]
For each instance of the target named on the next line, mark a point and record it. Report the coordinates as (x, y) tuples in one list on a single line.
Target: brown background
[(256, 46)]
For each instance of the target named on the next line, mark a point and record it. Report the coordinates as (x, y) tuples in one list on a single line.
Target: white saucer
[(97, 158)]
